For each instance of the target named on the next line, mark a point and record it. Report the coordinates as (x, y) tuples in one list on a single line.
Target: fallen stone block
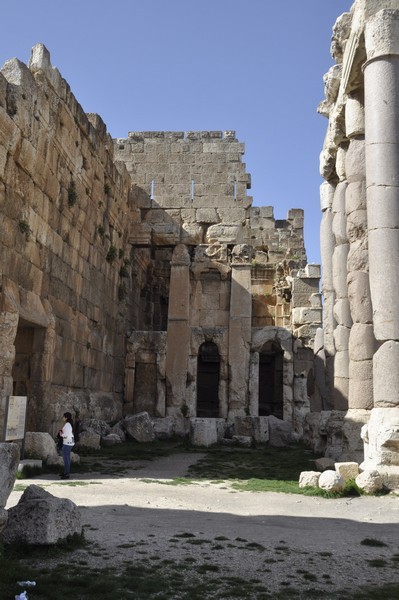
[(331, 481), (41, 519), (9, 460), (139, 427), (280, 433), (347, 470), (41, 445), (309, 479), (369, 481), (88, 439), (203, 432)]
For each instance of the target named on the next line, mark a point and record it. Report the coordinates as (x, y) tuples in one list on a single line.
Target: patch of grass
[(175, 481), (256, 469)]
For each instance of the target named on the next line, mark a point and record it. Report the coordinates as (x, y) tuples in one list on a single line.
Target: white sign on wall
[(15, 418)]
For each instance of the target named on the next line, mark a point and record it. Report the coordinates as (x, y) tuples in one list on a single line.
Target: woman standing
[(68, 442)]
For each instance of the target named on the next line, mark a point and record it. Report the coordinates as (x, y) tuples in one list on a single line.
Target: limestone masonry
[(137, 277), (135, 274), (360, 235)]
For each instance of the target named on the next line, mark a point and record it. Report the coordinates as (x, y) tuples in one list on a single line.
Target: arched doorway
[(271, 380), (208, 369)]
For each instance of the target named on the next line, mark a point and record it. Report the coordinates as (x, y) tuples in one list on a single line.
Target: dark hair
[(68, 417)]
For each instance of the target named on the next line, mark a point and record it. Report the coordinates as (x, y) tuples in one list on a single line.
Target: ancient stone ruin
[(360, 238), (137, 277)]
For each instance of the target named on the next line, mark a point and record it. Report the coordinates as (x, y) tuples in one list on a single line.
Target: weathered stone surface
[(41, 519), (359, 297), (386, 375), (362, 343), (9, 459), (112, 439), (331, 481), (164, 428), (280, 433), (139, 427), (95, 426), (254, 427), (203, 432), (369, 481), (347, 470), (381, 438), (309, 479), (40, 445), (89, 439)]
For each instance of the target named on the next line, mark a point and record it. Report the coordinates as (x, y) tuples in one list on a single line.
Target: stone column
[(327, 243), (240, 331), (361, 339), (381, 74), (341, 305), (178, 332)]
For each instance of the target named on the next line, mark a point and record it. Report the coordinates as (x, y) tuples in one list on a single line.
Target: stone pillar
[(240, 331), (327, 243), (381, 74), (178, 333), (341, 305), (361, 338)]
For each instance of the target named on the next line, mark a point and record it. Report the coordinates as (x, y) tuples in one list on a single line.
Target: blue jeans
[(66, 455)]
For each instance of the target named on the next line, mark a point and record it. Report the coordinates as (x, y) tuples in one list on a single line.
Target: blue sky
[(255, 66)]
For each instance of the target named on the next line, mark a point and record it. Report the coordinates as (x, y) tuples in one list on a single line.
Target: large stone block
[(339, 262), (359, 297), (280, 433), (355, 163), (347, 470), (40, 445), (381, 439), (341, 338), (331, 481), (139, 427), (355, 197), (9, 459), (386, 375), (41, 519), (203, 432), (342, 312), (362, 343)]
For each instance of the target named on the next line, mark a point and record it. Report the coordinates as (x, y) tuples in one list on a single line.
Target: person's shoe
[(63, 476)]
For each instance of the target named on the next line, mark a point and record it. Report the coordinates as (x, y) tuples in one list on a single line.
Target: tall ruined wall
[(63, 206), (360, 233), (191, 188)]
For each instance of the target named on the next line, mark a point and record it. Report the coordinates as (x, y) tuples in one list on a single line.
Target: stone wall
[(359, 230), (136, 273), (64, 202)]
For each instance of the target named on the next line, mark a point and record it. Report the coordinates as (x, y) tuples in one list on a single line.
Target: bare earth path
[(285, 541)]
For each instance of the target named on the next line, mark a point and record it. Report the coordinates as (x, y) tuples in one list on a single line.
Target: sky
[(253, 66)]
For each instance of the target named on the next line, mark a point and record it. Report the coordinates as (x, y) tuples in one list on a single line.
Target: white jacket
[(67, 435)]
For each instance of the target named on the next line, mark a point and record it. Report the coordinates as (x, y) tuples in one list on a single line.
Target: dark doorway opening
[(208, 380), (27, 371), (271, 380)]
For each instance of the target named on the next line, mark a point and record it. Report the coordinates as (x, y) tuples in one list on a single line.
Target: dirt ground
[(280, 539)]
